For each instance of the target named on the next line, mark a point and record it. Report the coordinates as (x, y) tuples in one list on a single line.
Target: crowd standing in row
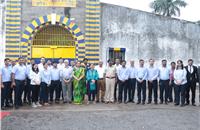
[(79, 82)]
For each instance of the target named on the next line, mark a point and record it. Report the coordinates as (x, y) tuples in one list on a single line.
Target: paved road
[(104, 117)]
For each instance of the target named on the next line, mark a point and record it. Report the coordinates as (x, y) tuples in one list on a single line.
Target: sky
[(190, 13)]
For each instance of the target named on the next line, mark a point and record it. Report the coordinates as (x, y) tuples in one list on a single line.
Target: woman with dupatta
[(79, 83)]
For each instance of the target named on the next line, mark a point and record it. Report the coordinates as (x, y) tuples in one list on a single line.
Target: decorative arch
[(41, 22)]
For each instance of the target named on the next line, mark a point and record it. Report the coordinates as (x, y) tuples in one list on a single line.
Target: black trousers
[(55, 87), (180, 93), (35, 92), (164, 88), (141, 88), (131, 89), (171, 88), (115, 90), (18, 89), (5, 93), (91, 95), (191, 85), (153, 86), (123, 87), (27, 91), (44, 92)]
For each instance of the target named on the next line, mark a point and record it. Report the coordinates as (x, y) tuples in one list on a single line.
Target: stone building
[(96, 31)]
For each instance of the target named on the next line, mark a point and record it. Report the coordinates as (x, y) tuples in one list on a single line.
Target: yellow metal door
[(53, 41)]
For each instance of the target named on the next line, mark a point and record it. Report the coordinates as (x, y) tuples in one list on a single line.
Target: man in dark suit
[(192, 78)]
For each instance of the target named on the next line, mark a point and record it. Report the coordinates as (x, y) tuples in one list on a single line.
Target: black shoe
[(149, 102), (176, 104), (143, 103), (126, 102), (138, 102), (182, 105), (193, 104), (170, 101), (161, 102), (64, 102), (133, 101), (3, 108), (187, 103), (16, 107), (119, 102), (156, 102), (166, 103)]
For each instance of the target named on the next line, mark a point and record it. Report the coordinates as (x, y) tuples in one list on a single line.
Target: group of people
[(79, 82)]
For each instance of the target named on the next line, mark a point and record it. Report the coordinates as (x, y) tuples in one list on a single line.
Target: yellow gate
[(53, 41)]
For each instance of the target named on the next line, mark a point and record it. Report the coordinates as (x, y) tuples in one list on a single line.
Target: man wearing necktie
[(192, 78)]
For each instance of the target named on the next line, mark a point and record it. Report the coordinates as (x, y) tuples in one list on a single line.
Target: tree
[(167, 7)]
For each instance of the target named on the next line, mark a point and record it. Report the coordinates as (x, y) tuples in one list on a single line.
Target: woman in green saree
[(79, 83)]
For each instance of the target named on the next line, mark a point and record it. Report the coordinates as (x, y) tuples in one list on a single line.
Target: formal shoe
[(149, 102), (166, 103), (3, 108), (187, 103), (133, 101), (182, 105), (170, 101), (176, 104), (64, 102), (193, 104), (16, 107), (119, 102), (126, 102), (161, 102), (138, 102), (156, 103), (143, 103), (106, 102)]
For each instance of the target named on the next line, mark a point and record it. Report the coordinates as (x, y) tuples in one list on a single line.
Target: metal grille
[(53, 35)]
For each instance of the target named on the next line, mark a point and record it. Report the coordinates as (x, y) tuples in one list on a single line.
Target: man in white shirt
[(19, 74), (152, 77), (55, 82), (132, 82), (141, 77), (164, 76), (101, 82), (123, 75), (117, 66), (41, 65), (61, 65)]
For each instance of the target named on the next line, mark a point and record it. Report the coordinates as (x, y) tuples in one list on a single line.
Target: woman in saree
[(79, 89)]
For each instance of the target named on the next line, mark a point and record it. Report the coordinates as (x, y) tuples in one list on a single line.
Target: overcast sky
[(191, 12)]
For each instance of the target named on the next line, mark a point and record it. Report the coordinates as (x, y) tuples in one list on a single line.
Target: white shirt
[(40, 67), (141, 73), (190, 68), (180, 75), (153, 73), (66, 73), (35, 78), (100, 70), (20, 72), (132, 72), (61, 66), (118, 67), (164, 73)]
